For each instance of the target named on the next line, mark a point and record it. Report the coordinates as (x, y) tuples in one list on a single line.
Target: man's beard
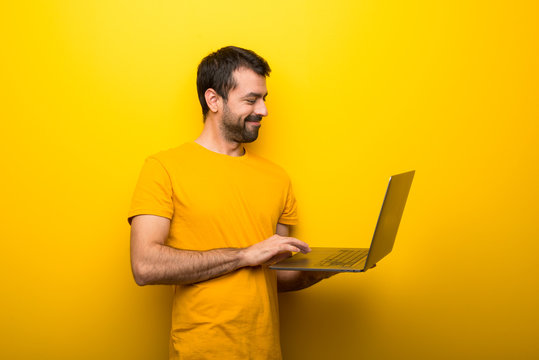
[(236, 130)]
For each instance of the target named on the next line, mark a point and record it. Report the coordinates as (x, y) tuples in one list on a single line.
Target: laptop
[(360, 259)]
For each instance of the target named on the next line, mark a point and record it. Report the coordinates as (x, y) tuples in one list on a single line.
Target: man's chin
[(249, 140), (250, 137)]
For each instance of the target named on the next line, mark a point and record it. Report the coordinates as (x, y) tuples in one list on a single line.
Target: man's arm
[(291, 280), (153, 262)]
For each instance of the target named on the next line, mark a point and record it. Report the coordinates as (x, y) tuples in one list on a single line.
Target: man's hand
[(272, 250), (291, 280)]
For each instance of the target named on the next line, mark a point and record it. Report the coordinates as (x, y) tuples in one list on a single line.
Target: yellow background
[(359, 90)]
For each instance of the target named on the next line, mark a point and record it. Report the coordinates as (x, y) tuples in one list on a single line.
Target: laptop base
[(325, 259)]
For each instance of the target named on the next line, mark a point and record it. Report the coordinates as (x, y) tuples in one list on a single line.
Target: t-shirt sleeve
[(153, 192), (290, 211)]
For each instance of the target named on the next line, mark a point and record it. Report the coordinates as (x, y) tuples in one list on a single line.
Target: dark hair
[(215, 71)]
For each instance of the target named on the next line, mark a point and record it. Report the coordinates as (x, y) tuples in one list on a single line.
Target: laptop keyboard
[(345, 257)]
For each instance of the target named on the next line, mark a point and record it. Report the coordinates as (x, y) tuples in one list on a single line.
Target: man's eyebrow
[(254, 94)]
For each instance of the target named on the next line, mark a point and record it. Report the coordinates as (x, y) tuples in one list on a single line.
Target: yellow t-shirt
[(219, 201)]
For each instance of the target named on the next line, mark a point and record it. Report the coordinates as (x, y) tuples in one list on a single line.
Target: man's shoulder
[(173, 155)]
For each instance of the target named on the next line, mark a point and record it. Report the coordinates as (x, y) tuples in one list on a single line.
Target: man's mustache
[(253, 118)]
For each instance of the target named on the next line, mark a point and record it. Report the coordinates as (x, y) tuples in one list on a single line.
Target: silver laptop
[(360, 259)]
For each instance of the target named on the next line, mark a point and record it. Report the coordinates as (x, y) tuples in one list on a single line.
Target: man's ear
[(213, 100)]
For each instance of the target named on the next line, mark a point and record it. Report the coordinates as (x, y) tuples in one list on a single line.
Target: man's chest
[(230, 193)]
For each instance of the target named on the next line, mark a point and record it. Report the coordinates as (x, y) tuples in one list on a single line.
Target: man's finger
[(288, 248), (303, 246)]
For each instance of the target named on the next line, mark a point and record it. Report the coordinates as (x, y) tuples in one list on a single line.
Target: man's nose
[(261, 108)]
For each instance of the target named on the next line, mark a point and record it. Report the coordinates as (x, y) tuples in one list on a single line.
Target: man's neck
[(211, 139)]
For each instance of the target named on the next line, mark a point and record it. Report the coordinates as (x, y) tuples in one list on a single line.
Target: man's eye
[(251, 101)]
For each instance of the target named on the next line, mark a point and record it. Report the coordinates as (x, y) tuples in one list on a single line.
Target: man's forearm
[(167, 265), (153, 262)]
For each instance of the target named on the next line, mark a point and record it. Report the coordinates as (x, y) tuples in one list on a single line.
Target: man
[(209, 217)]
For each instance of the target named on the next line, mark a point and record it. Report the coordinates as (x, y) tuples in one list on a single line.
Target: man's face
[(245, 107)]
